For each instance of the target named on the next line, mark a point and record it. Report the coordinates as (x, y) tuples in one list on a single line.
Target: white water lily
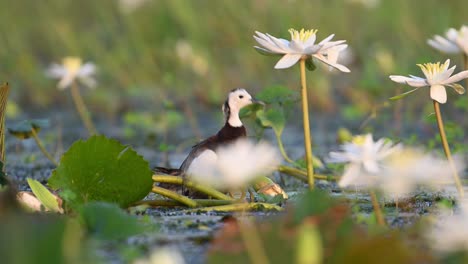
[(301, 46), (450, 232), (455, 41), (235, 165), (409, 168), (72, 69), (365, 160), (437, 77)]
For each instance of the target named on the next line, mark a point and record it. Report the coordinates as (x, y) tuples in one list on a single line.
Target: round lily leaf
[(23, 129), (273, 118), (102, 169)]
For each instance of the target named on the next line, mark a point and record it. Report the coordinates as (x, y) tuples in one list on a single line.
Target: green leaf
[(310, 65), (398, 97), (45, 196), (108, 222), (102, 169), (307, 207), (250, 110), (273, 118), (277, 94), (23, 130)]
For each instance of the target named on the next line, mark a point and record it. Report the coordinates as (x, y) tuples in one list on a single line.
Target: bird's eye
[(241, 96)]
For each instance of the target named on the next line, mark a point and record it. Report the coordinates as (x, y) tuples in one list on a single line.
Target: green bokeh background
[(196, 51)]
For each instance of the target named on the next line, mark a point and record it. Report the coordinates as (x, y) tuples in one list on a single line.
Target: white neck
[(234, 119)]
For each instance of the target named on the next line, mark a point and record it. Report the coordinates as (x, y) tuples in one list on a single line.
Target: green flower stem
[(302, 175), (252, 240), (170, 203), (307, 138), (174, 196), (4, 90), (41, 147), (465, 61), (282, 150), (81, 108), (443, 138), (190, 184), (238, 207), (377, 210)]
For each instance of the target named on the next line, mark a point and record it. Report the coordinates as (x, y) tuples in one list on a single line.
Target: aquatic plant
[(303, 49), (437, 76), (30, 128), (70, 72)]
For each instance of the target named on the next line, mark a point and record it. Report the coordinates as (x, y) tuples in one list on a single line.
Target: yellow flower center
[(359, 140), (302, 35), (430, 69), (72, 64)]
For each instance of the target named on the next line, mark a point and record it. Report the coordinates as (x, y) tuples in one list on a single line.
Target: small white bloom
[(450, 233), (365, 158), (70, 70), (235, 165), (456, 41), (409, 168), (301, 46), (166, 255), (437, 77)]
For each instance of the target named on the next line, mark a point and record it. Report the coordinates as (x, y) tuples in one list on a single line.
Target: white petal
[(327, 39), (296, 46), (310, 41), (268, 45), (452, 34), (457, 77), (56, 71), (312, 49), (438, 93), (280, 43), (350, 175), (443, 46), (338, 66), (371, 166), (415, 82), (287, 61), (443, 76), (87, 69), (66, 81), (88, 81)]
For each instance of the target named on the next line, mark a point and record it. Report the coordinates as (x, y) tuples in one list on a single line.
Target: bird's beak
[(255, 101)]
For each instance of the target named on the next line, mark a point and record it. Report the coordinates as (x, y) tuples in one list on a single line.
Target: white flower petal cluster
[(455, 41), (394, 169), (70, 70), (236, 165), (450, 232), (166, 255), (437, 77), (301, 46), (364, 158)]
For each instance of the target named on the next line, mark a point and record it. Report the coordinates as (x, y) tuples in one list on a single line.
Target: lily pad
[(23, 130), (102, 169), (273, 118), (108, 222)]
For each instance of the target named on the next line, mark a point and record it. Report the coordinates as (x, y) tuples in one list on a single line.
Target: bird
[(232, 130)]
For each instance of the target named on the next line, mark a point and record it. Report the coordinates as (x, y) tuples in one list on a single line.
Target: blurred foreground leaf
[(102, 169), (28, 238), (108, 222)]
